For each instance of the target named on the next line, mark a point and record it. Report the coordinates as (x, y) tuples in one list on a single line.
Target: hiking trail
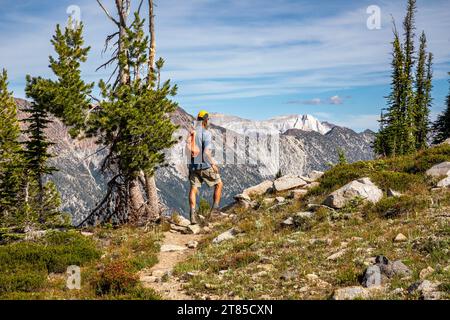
[(172, 287)]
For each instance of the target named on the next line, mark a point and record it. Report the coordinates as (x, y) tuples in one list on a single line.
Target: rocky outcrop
[(288, 182), (259, 189), (362, 188), (439, 170), (227, 235)]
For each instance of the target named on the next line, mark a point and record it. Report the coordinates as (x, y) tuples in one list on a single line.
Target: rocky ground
[(370, 230)]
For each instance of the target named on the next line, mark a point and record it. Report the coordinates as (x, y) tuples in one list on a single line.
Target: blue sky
[(254, 58)]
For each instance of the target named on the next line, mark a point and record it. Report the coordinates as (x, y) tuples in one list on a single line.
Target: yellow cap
[(202, 115)]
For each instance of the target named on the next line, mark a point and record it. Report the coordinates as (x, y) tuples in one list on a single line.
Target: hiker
[(202, 167)]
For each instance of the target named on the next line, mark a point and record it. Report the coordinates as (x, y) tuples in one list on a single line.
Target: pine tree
[(10, 159), (342, 159), (408, 131), (36, 152), (69, 94), (441, 128), (133, 119), (405, 125), (422, 95), (389, 140)]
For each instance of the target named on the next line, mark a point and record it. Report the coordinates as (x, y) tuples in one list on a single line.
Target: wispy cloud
[(232, 50), (333, 100)]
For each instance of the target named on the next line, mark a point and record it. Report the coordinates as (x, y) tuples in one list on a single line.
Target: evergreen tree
[(342, 159), (404, 126), (10, 159), (69, 94), (390, 140), (133, 119), (36, 152), (408, 130), (422, 98), (441, 128)]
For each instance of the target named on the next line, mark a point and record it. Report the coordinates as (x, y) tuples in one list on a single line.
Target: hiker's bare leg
[(192, 204), (217, 194), (193, 197)]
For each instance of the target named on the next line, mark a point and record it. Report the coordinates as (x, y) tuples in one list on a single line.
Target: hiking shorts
[(197, 177)]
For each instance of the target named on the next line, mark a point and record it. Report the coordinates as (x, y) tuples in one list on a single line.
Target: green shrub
[(397, 206), (24, 265), (398, 181), (116, 278), (25, 280)]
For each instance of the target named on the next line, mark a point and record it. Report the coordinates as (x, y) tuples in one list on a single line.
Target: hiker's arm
[(211, 160), (190, 142)]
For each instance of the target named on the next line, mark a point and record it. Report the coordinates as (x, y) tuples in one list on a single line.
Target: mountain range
[(303, 144)]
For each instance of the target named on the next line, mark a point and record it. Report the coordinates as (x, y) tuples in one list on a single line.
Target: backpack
[(195, 150)]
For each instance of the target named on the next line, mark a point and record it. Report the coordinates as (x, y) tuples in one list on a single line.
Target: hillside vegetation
[(110, 260), (313, 257)]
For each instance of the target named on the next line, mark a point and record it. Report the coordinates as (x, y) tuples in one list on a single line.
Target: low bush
[(116, 278), (24, 266), (397, 206)]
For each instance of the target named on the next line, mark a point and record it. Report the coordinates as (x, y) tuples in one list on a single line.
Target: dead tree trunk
[(150, 183)]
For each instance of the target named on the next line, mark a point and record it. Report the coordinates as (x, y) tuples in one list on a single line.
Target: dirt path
[(151, 278)]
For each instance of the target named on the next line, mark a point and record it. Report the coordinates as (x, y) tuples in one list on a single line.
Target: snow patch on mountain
[(276, 125)]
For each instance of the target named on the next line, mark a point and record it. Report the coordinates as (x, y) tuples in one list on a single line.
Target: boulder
[(363, 188), (439, 170), (259, 189), (337, 255), (424, 273), (444, 183), (351, 293), (297, 193), (400, 238), (280, 199), (288, 222), (182, 221), (227, 235), (288, 182), (315, 175), (400, 269), (428, 290), (35, 235), (192, 244), (372, 277), (172, 248), (194, 228), (305, 214), (176, 228), (390, 269)]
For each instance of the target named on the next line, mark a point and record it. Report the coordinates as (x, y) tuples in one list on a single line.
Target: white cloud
[(208, 45)]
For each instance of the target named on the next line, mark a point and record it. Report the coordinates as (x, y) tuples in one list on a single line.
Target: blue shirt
[(203, 140)]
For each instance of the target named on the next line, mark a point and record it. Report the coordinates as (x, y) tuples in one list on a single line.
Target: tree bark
[(150, 184), (123, 10)]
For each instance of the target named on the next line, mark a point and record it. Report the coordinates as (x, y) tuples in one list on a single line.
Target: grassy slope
[(269, 261), (109, 261)]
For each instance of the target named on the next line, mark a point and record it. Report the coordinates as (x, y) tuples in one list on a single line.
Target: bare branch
[(107, 13), (104, 65)]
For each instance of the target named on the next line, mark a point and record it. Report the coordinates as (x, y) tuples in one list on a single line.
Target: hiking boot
[(194, 217)]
